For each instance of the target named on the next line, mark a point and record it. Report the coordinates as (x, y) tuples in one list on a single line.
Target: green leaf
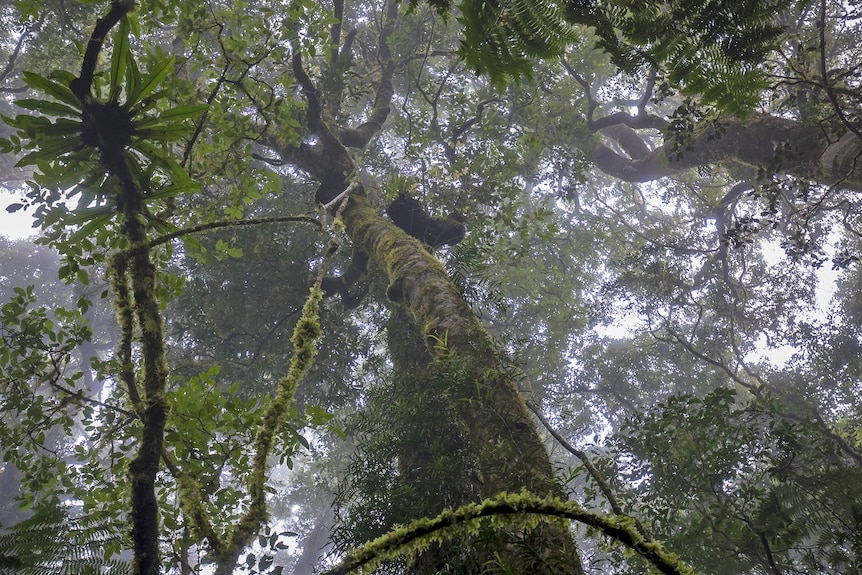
[(148, 84), (133, 79), (88, 229), (159, 158), (119, 58), (58, 91), (174, 190), (62, 127), (178, 113), (86, 214), (48, 107), (50, 150)]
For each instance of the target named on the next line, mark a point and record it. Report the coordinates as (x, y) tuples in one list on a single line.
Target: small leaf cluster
[(38, 389), (725, 476)]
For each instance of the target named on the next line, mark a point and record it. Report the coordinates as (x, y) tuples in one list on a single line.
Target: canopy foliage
[(533, 286)]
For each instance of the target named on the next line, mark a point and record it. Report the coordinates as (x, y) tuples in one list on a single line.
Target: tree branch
[(82, 85), (620, 529)]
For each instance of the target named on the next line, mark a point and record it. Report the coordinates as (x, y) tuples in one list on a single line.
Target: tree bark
[(508, 451), (789, 147)]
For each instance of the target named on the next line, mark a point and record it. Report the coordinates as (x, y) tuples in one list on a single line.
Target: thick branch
[(638, 122), (802, 151), (360, 136), (629, 140), (82, 85)]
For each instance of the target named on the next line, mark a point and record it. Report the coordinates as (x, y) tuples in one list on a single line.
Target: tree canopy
[(482, 287)]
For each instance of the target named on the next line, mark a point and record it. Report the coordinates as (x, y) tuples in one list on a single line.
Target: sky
[(14, 226)]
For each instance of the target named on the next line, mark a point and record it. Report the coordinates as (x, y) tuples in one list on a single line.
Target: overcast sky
[(17, 225)]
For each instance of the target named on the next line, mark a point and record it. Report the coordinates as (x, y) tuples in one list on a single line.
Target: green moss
[(408, 540), (190, 502), (305, 335)]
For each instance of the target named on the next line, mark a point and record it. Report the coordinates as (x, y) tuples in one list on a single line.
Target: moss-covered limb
[(189, 493), (145, 465), (154, 411), (135, 286), (306, 333), (412, 538), (192, 506), (123, 307), (134, 282), (304, 339)]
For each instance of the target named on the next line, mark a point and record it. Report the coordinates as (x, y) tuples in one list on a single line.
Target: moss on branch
[(416, 536)]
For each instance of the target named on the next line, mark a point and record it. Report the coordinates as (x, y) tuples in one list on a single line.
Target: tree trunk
[(476, 380)]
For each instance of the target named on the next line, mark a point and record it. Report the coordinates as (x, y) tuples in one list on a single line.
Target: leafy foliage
[(53, 543), (730, 478), (614, 295), (712, 49), (88, 135)]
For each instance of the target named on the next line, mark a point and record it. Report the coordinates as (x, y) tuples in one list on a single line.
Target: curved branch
[(582, 455), (801, 151), (620, 529), (629, 140), (480, 109), (827, 85)]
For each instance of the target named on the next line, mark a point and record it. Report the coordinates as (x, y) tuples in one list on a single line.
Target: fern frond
[(717, 45), (53, 543), (501, 38)]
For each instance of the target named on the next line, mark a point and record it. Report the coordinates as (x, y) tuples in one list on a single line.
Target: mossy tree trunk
[(474, 377), (478, 384), (446, 466)]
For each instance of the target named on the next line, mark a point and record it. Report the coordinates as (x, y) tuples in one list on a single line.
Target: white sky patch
[(18, 225)]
